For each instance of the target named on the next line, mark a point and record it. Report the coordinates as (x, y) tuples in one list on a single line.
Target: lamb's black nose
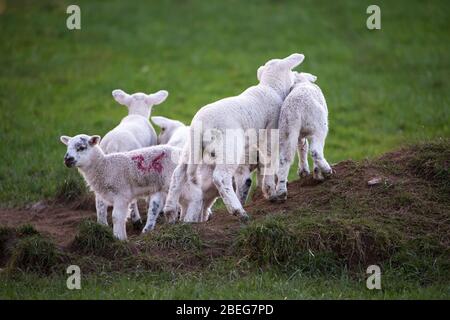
[(69, 161)]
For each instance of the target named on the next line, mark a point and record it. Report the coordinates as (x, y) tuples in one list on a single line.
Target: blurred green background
[(383, 88)]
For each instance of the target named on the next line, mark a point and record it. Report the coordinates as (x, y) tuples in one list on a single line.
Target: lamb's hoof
[(317, 175), (148, 228), (170, 217), (103, 223), (244, 217), (281, 196), (137, 225), (328, 174), (303, 173)]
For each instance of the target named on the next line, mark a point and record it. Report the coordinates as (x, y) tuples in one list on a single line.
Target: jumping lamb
[(119, 179), (133, 132), (304, 115), (256, 108)]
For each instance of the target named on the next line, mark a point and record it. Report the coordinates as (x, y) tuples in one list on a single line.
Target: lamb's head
[(168, 127), (303, 77), (139, 103), (277, 73), (81, 149)]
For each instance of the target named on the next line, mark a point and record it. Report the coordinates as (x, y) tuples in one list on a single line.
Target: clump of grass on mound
[(27, 230), (314, 243), (94, 238), (432, 161), (73, 191), (33, 254), (6, 235), (268, 242), (174, 236)]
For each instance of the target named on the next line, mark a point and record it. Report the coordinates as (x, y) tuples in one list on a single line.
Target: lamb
[(304, 114), (254, 109), (199, 197), (121, 178), (175, 133), (133, 132)]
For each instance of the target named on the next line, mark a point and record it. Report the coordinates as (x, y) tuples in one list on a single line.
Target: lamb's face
[(79, 149), (139, 103), (167, 126), (280, 70)]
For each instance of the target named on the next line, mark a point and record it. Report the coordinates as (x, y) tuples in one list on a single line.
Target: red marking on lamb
[(155, 164)]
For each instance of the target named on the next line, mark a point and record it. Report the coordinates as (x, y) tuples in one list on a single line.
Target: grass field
[(384, 88)]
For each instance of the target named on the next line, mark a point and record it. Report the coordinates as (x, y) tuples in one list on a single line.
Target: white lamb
[(197, 198), (173, 132), (203, 191), (133, 132), (304, 114), (121, 178), (256, 108)]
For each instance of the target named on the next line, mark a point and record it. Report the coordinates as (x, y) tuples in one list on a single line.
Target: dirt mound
[(393, 210)]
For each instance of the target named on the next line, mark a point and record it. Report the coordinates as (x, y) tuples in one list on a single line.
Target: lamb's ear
[(157, 98), (121, 97), (259, 73), (94, 140), (161, 122), (308, 76), (294, 60), (65, 139)]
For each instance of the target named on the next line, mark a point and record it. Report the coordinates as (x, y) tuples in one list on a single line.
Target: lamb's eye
[(81, 148), (162, 129)]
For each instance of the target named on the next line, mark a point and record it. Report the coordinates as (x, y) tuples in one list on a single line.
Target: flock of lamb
[(131, 162)]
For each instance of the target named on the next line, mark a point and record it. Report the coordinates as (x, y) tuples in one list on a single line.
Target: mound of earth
[(369, 211)]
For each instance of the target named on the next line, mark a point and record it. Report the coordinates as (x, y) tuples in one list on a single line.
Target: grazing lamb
[(121, 178), (256, 108), (304, 114), (133, 132)]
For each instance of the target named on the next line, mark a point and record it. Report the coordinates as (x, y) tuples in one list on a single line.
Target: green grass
[(94, 238), (212, 285), (383, 87)]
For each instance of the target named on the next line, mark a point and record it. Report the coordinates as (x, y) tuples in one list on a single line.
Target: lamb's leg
[(119, 217), (176, 184), (135, 216), (223, 180), (302, 150), (259, 177), (243, 181), (267, 160), (194, 211), (155, 205), (207, 211), (321, 167), (288, 142), (102, 211)]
